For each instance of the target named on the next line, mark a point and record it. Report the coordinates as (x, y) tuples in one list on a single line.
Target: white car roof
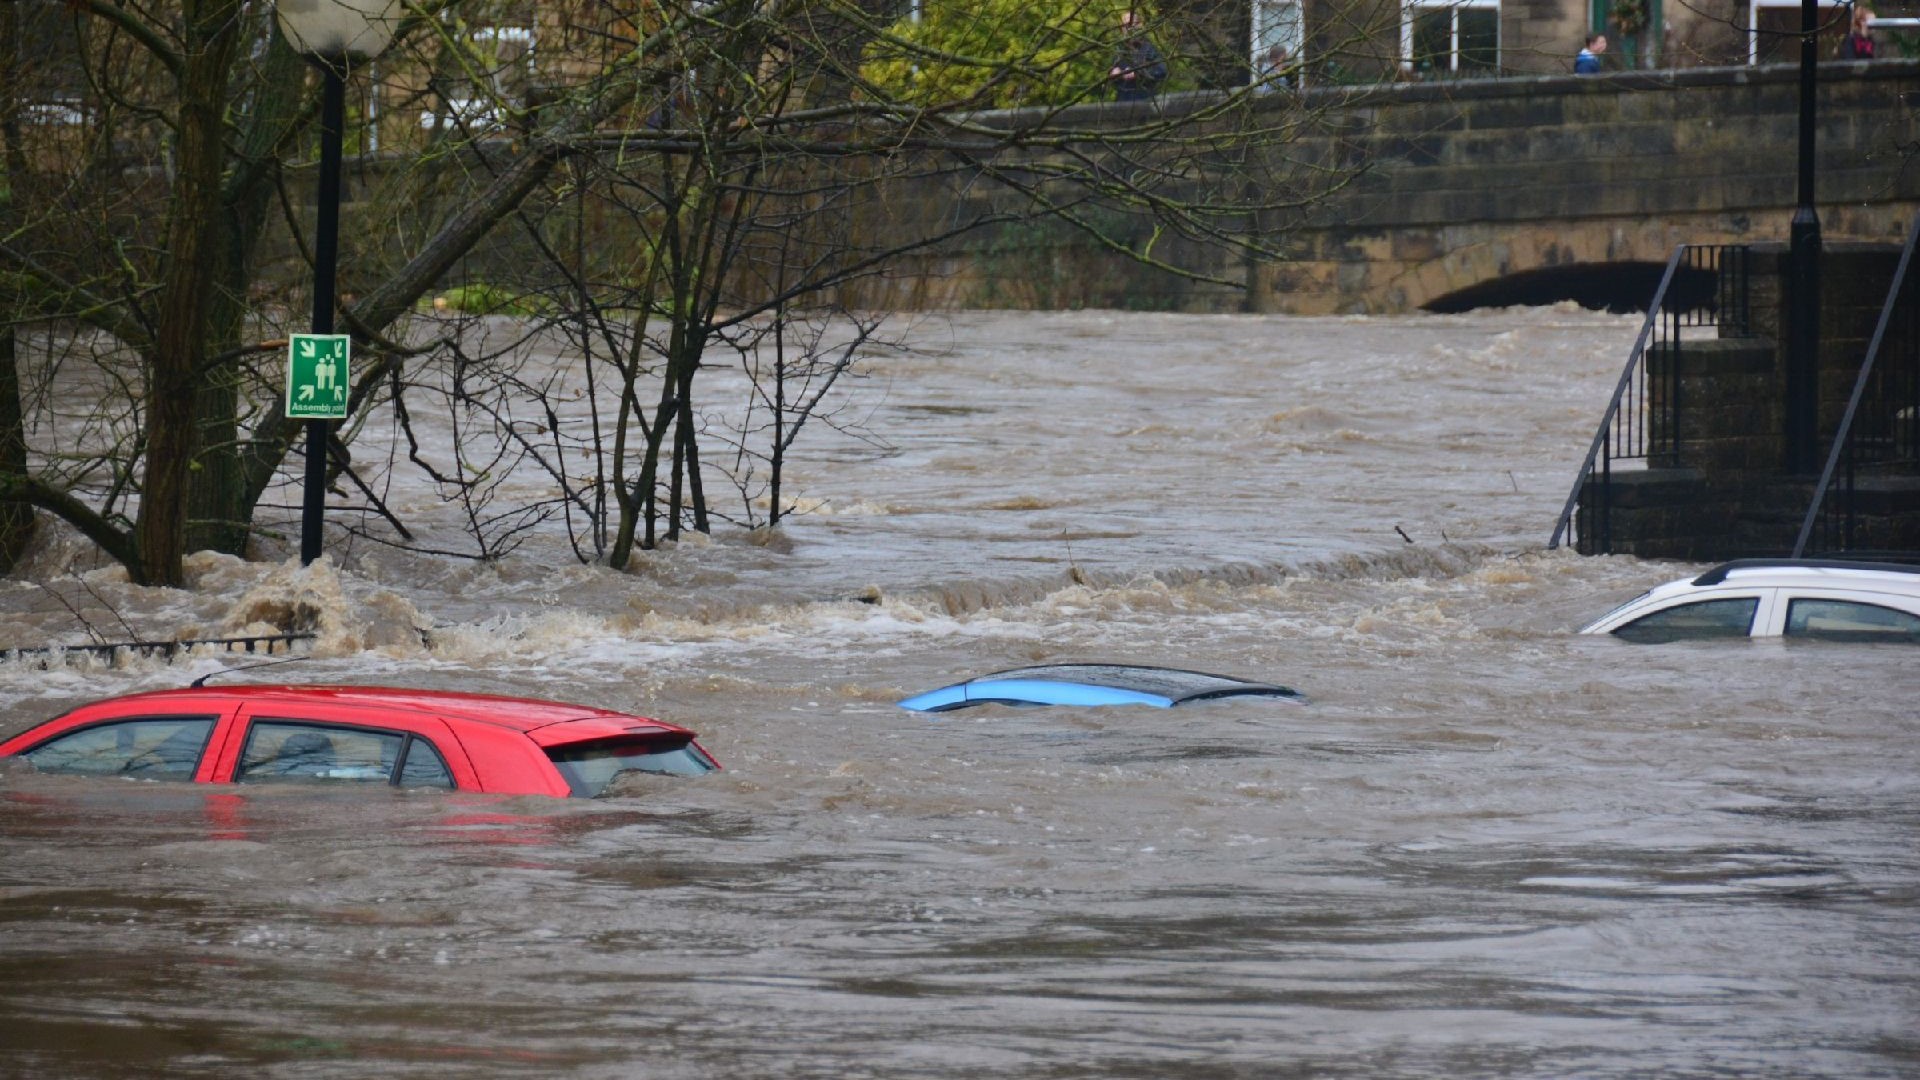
[(1857, 576), (1832, 573)]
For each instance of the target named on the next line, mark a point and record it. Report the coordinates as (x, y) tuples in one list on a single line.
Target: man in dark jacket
[(1588, 62), (1138, 70)]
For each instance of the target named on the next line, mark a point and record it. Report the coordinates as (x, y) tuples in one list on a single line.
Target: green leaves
[(999, 53)]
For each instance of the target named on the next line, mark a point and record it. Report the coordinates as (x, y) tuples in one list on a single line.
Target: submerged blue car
[(1093, 684)]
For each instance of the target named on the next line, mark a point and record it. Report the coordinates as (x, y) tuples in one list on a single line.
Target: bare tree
[(680, 176), (793, 366)]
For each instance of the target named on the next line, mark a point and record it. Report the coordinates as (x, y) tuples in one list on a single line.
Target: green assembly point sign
[(317, 376)]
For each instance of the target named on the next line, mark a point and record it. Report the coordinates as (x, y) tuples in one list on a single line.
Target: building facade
[(1353, 41)]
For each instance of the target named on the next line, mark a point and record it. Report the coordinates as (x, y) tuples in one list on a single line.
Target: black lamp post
[(1803, 316), (332, 34)]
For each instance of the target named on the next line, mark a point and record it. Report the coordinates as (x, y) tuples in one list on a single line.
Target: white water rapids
[(1488, 847)]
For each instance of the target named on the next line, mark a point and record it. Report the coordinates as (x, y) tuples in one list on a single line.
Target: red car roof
[(517, 714)]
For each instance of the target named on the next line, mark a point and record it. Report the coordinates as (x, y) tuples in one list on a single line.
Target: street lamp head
[(339, 30)]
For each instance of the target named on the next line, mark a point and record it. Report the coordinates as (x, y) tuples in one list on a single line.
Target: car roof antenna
[(202, 680)]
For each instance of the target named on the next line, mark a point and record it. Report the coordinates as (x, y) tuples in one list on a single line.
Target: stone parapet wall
[(1470, 181), (1466, 182), (1522, 175)]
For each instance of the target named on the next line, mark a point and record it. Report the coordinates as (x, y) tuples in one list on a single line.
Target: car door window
[(152, 748), (1848, 620), (1700, 619), (293, 752), (423, 766)]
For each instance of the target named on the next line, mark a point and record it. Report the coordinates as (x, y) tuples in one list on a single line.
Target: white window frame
[(1753, 21), (1260, 35), (373, 108), (485, 113), (1454, 8), (64, 112), (519, 35)]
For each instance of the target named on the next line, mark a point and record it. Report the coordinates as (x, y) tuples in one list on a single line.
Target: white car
[(1802, 598)]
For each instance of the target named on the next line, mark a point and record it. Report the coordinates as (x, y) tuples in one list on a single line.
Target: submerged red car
[(359, 734)]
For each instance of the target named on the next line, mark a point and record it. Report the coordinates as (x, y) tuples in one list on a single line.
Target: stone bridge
[(1517, 190)]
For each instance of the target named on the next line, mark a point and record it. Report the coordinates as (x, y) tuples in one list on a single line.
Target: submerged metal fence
[(253, 643)]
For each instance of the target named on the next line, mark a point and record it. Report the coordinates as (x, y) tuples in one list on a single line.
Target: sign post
[(317, 393), (317, 376)]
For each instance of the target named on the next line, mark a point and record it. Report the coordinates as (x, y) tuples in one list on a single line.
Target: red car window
[(285, 751), (590, 767), (422, 766), (366, 746), (151, 748)]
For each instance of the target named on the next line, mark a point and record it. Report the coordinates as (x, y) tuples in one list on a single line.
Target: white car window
[(1687, 622), (1848, 620)]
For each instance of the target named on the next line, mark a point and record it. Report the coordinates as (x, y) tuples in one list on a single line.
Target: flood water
[(1487, 847)]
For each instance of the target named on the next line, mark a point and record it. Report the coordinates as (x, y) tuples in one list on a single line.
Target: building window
[(52, 73), (495, 80), (1463, 38), (1277, 22), (1773, 30)]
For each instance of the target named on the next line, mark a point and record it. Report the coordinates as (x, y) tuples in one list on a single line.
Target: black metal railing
[(1880, 430), (1705, 285)]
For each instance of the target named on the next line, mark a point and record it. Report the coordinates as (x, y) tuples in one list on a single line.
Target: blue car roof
[(1092, 684)]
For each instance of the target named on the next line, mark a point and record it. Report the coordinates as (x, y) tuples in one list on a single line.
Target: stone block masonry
[(1472, 181)]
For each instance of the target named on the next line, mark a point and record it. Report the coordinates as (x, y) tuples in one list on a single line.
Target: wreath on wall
[(1629, 15)]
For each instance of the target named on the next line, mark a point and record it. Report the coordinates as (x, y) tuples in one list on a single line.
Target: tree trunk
[(219, 503), (16, 518), (646, 486), (179, 348), (696, 493)]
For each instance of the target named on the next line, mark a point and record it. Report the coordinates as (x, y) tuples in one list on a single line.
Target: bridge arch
[(1600, 263), (1618, 287)]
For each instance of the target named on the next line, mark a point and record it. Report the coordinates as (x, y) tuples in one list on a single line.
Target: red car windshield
[(589, 768)]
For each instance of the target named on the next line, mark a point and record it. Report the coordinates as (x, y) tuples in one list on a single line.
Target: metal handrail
[(1859, 391), (1619, 392)]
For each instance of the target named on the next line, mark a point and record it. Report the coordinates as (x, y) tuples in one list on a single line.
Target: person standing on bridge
[(1858, 44), (1588, 62), (1138, 70), (1273, 72)]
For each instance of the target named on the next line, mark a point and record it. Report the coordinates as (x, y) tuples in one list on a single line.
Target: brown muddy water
[(1488, 847)]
